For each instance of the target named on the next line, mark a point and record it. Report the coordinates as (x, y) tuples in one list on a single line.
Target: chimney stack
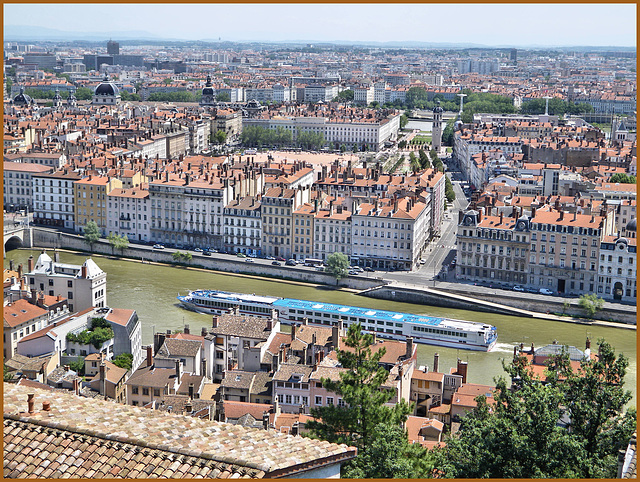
[(186, 330), (436, 359), (334, 336), (149, 355), (31, 402), (103, 379), (409, 344), (30, 264), (214, 322), (178, 371), (462, 370)]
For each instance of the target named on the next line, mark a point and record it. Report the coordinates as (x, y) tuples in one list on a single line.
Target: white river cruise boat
[(392, 325)]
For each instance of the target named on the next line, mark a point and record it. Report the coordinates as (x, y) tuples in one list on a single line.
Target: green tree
[(416, 97), (404, 120), (591, 304), (623, 178), (402, 144), (520, 435), (447, 133), (91, 234), (118, 242), (361, 421), (413, 162), (124, 360), (338, 265), (127, 96), (223, 97), (77, 365), (389, 455), (310, 140), (218, 137), (449, 193), (344, 96), (7, 375), (84, 93), (595, 399), (424, 159)]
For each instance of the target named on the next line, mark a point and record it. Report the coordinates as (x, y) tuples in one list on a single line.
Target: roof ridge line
[(140, 443)]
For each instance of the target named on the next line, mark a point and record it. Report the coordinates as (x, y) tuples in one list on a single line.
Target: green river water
[(151, 290)]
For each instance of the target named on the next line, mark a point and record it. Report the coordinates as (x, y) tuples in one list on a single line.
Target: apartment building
[(242, 226), (90, 201), (332, 232), (18, 184), (564, 251), (53, 203), (617, 272), (236, 341), (129, 213), (84, 286), (390, 233), (278, 205), (21, 318), (303, 230), (492, 248)]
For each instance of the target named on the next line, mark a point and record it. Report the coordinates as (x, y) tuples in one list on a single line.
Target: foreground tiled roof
[(89, 438)]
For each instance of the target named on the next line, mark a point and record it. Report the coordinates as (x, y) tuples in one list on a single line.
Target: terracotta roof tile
[(145, 439)]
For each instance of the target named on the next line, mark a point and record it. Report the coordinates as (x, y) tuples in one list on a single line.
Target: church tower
[(436, 130)]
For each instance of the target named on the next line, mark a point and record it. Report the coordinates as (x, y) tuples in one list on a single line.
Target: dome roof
[(57, 96), (208, 90), (631, 225), (22, 98), (107, 88), (437, 109)]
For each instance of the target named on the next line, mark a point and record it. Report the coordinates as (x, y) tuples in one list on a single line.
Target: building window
[(134, 390), (318, 401), (329, 400), (156, 392), (145, 391)]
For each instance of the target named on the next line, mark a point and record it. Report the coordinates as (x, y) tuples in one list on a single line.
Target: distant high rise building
[(113, 48), (513, 55)]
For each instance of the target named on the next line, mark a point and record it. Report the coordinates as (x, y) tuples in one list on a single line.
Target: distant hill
[(25, 33)]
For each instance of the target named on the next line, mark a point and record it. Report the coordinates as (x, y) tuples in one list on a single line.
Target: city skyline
[(500, 25)]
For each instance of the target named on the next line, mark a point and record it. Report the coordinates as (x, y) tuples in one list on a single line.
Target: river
[(151, 290)]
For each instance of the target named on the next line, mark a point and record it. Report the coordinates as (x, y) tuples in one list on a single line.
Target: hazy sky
[(492, 24)]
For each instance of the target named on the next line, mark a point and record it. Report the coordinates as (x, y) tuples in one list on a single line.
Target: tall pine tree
[(359, 423)]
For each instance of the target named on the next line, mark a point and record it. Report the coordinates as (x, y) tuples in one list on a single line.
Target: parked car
[(280, 258), (158, 246), (319, 268), (270, 257), (291, 262), (198, 250), (545, 291), (518, 288), (241, 255), (276, 263), (248, 260), (369, 269), (206, 253)]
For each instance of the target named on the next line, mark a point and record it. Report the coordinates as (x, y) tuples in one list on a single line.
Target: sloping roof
[(177, 347), (82, 437), (21, 311)]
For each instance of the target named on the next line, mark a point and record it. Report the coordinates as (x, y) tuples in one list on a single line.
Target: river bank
[(151, 290), (457, 295)]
